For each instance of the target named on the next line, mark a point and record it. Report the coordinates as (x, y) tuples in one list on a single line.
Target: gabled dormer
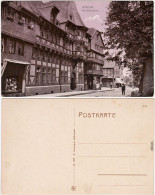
[(96, 40), (53, 15)]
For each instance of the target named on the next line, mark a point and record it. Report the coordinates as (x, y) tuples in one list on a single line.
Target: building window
[(10, 14), (30, 24), (38, 54), (12, 45), (3, 11), (65, 77), (34, 53), (3, 47), (21, 20), (47, 34), (54, 38), (53, 75), (38, 75), (43, 55), (90, 67), (41, 32), (58, 40), (48, 58), (48, 75), (97, 67), (81, 79), (20, 48), (43, 76), (78, 33), (78, 48), (57, 23), (62, 77), (57, 61)]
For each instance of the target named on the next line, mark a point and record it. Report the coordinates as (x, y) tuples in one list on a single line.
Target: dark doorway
[(90, 82), (73, 81)]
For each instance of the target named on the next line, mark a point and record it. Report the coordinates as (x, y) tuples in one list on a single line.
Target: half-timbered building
[(46, 48)]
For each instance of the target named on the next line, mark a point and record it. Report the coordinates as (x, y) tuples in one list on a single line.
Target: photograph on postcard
[(77, 48), (77, 146)]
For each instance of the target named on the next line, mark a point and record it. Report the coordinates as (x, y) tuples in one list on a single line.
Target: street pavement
[(104, 92), (111, 93)]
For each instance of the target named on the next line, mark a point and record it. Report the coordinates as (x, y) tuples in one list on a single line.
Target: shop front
[(13, 77), (92, 82), (107, 82)]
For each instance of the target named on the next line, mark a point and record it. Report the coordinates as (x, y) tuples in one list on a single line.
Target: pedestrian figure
[(123, 89), (111, 85)]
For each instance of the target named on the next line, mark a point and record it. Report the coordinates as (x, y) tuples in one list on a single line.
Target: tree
[(130, 32)]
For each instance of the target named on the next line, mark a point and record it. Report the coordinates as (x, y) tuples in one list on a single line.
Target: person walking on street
[(123, 89)]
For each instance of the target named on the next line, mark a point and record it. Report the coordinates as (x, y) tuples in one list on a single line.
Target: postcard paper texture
[(77, 146)]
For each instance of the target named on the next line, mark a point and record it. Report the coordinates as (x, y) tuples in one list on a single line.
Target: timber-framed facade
[(46, 48)]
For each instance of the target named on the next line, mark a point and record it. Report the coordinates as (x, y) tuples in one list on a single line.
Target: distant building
[(112, 74), (46, 48), (95, 60), (108, 74)]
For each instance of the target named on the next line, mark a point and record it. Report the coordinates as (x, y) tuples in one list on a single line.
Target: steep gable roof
[(93, 31), (31, 6), (68, 11)]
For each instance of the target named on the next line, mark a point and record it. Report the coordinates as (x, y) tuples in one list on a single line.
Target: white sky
[(93, 13)]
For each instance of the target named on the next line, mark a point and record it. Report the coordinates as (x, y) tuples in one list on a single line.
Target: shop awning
[(5, 61)]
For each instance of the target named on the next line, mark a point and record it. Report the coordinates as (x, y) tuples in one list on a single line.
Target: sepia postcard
[(77, 146), (77, 48), (52, 143)]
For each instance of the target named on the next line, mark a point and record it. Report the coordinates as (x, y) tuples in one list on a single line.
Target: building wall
[(108, 77), (38, 90), (96, 43), (27, 56), (52, 53), (15, 30), (95, 62)]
